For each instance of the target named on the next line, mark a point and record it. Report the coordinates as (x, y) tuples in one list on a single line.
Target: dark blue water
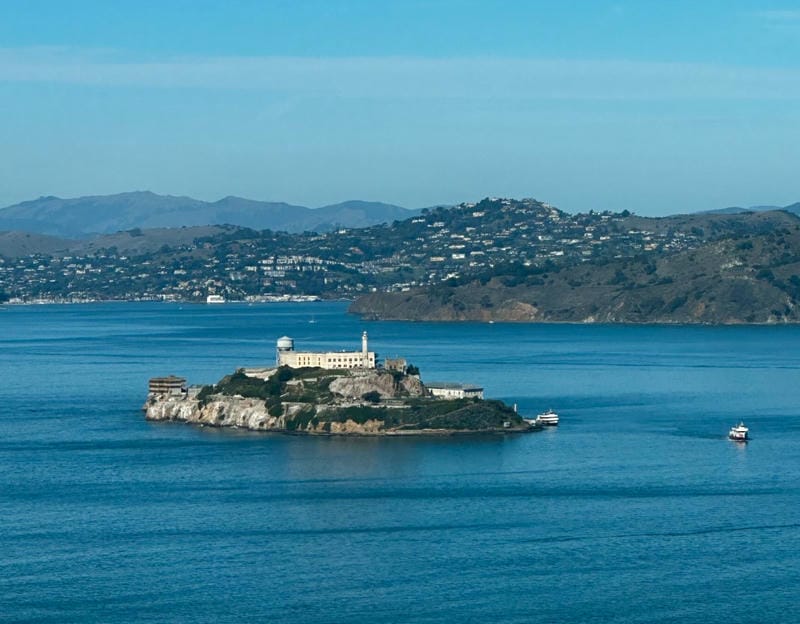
[(636, 509)]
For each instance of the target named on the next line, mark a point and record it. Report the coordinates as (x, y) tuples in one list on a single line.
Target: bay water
[(635, 509)]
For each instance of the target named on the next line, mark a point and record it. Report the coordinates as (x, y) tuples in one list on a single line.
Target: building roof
[(447, 385), (170, 379)]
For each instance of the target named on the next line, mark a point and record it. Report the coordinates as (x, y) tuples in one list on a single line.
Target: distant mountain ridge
[(105, 214), (81, 217), (793, 208)]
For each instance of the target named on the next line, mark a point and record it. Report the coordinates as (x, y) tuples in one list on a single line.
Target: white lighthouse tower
[(364, 351)]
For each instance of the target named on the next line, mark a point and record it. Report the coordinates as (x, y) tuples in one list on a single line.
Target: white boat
[(547, 419), (739, 433), (215, 299)]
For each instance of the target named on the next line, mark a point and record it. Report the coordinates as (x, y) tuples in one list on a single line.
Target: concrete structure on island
[(395, 364), (446, 390), (172, 385), (285, 355)]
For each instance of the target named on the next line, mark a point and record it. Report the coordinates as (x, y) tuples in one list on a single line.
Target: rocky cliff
[(314, 401)]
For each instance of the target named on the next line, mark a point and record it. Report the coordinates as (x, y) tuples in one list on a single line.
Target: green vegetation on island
[(318, 401)]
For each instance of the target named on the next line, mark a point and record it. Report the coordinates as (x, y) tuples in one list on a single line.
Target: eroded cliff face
[(358, 384), (251, 414), (221, 412)]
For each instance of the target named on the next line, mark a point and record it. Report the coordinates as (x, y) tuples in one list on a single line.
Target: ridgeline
[(494, 260)]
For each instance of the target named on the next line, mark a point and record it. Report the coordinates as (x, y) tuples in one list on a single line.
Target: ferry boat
[(547, 419), (215, 299), (739, 433)]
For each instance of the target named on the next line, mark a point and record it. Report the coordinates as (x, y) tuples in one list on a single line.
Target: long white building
[(287, 356), (447, 390)]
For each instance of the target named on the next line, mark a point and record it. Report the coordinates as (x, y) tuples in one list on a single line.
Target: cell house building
[(286, 355)]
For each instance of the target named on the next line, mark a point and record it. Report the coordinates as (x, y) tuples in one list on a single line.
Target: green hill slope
[(745, 279)]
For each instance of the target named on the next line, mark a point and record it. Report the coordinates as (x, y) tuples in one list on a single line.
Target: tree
[(373, 396)]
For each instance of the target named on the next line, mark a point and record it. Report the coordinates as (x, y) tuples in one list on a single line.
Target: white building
[(447, 390), (287, 356)]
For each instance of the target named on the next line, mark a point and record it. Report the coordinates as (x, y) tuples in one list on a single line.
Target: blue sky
[(654, 107)]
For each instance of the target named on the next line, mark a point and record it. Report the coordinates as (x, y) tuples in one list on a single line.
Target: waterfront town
[(441, 245)]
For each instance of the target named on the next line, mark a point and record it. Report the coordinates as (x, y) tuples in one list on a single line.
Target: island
[(332, 393)]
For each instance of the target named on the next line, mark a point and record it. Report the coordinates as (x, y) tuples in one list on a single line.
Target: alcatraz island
[(332, 393)]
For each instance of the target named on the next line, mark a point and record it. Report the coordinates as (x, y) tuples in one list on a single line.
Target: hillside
[(496, 259), (104, 214), (746, 279), (794, 208), (20, 244)]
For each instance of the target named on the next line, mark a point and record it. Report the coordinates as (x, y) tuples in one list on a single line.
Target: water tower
[(284, 345)]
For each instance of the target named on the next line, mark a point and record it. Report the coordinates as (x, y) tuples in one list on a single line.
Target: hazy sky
[(656, 107)]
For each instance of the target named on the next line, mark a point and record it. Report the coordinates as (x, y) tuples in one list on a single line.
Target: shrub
[(619, 278), (245, 386), (204, 396), (373, 396), (765, 274), (358, 414), (676, 303), (274, 406)]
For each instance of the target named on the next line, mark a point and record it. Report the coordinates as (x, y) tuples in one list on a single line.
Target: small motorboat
[(739, 433)]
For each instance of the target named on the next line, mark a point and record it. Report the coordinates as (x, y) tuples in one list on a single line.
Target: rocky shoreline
[(331, 403)]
